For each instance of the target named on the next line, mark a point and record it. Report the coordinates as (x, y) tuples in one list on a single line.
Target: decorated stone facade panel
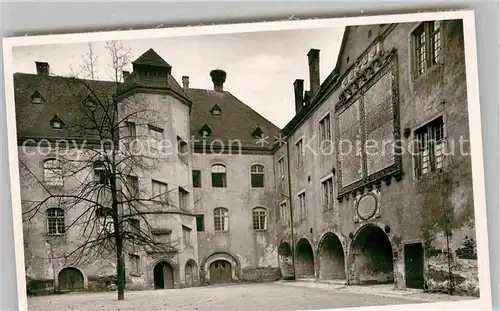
[(367, 206), (367, 116)]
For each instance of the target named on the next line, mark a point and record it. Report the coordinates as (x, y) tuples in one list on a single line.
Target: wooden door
[(220, 272)]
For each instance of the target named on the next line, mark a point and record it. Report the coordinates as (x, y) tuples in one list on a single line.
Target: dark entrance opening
[(190, 273), (163, 275), (414, 265), (285, 261), (304, 264), (221, 272), (331, 258), (70, 279), (372, 260)]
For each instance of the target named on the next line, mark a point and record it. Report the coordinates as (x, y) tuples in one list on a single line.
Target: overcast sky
[(261, 66)]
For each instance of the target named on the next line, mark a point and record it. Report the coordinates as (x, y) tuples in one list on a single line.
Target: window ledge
[(430, 70), (55, 235), (135, 274), (260, 230)]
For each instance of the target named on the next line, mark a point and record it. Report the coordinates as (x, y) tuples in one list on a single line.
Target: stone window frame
[(153, 139), (136, 261), (183, 198), (302, 208), (186, 236), (331, 193), (223, 174), (221, 219), (323, 133), (56, 218), (161, 197), (53, 167), (199, 184), (257, 223), (253, 173), (417, 175), (281, 167), (427, 30), (299, 154), (283, 210)]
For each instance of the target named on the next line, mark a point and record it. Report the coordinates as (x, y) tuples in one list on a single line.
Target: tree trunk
[(120, 271)]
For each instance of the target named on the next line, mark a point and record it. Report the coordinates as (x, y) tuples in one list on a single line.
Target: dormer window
[(205, 131), (90, 103), (37, 98), (216, 111), (257, 133), (56, 123)]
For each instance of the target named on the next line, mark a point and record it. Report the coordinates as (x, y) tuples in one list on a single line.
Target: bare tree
[(97, 171)]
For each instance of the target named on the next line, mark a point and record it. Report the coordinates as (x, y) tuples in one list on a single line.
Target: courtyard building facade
[(367, 184)]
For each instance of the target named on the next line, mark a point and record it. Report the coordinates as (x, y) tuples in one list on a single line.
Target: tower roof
[(151, 58)]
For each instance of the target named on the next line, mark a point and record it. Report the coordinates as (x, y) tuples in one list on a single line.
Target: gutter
[(292, 233)]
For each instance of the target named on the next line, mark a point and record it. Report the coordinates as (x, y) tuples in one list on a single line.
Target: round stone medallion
[(367, 206)]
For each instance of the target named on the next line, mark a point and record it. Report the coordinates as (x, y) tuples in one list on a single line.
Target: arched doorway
[(163, 274), (285, 260), (221, 272), (70, 279), (331, 258), (304, 264), (371, 257), (190, 273)]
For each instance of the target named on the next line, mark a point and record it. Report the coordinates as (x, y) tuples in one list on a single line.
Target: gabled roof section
[(236, 123), (151, 58)]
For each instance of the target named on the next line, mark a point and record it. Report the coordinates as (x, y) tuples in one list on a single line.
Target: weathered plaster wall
[(251, 249), (405, 209)]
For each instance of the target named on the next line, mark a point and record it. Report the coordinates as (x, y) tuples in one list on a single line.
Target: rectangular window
[(101, 173), (182, 150), (155, 137), (183, 198), (299, 151), (281, 167), (219, 176), (160, 191), (196, 179), (53, 173), (327, 192), (131, 132), (200, 223), (429, 147), (325, 129), (283, 210), (426, 43), (186, 233), (257, 176), (136, 263), (302, 205), (259, 219), (221, 219), (132, 186)]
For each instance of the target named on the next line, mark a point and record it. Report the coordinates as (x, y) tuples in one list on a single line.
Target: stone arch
[(164, 273), (191, 273), (304, 263), (71, 279), (371, 256), (331, 258), (285, 260), (222, 257)]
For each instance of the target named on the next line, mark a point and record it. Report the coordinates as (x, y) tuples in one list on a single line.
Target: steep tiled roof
[(61, 96), (151, 58), (237, 121)]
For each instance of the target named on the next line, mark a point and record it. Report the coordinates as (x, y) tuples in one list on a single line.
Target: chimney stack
[(298, 87), (218, 78), (125, 74), (313, 57), (185, 83), (42, 68)]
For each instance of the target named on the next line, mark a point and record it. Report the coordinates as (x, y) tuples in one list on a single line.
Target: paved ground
[(268, 296)]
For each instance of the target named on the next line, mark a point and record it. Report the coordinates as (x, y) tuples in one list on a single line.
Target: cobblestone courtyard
[(266, 296)]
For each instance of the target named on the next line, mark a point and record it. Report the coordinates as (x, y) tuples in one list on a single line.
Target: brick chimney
[(218, 78), (313, 57), (298, 87), (42, 68), (185, 83)]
